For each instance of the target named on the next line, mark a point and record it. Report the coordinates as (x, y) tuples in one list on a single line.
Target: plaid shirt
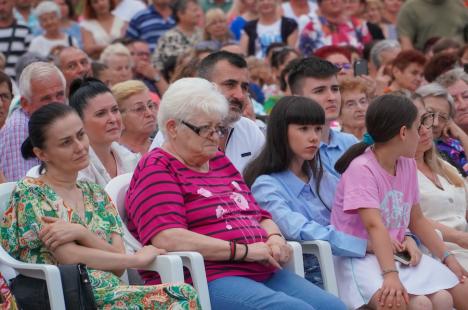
[(12, 136)]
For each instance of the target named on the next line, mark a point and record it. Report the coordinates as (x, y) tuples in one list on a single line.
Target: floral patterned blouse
[(320, 32), (32, 199)]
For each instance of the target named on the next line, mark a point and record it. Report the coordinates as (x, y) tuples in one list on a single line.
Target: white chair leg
[(194, 262), (322, 250)]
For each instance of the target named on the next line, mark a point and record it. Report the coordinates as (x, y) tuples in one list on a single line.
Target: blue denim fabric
[(312, 270), (284, 290)]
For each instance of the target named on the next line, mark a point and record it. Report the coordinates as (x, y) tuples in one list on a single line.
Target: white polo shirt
[(244, 142)]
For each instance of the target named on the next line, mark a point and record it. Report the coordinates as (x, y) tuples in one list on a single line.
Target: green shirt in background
[(421, 20)]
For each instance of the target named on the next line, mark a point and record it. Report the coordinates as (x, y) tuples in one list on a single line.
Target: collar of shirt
[(295, 184), (333, 141)]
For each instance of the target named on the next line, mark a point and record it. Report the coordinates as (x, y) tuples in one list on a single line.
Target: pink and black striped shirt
[(165, 194)]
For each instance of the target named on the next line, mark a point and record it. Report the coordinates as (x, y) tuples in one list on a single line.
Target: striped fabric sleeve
[(157, 202)]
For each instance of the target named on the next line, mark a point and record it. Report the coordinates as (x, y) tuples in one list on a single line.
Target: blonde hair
[(124, 90), (212, 16), (442, 168)]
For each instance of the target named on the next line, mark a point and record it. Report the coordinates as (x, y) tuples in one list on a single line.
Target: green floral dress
[(33, 199)]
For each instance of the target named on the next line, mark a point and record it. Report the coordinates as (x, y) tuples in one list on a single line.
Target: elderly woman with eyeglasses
[(443, 192), (451, 140), (138, 115), (188, 196)]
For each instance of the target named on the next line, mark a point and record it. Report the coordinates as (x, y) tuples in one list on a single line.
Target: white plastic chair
[(117, 188), (11, 266), (322, 250), (169, 267), (33, 172)]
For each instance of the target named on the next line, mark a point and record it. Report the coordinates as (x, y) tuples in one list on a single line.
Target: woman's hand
[(452, 263), (280, 249), (392, 293), (410, 245), (397, 246), (262, 253), (57, 232), (452, 130), (146, 255)]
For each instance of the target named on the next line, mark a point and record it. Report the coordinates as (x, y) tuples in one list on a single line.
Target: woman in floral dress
[(55, 219)]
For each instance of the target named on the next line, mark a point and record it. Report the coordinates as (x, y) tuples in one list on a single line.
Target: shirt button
[(450, 200)]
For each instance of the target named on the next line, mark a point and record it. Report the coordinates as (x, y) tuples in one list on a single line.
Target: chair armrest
[(322, 250), (196, 265), (295, 263), (169, 268), (49, 273)]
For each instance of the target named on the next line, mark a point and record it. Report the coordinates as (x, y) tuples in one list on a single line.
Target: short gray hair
[(37, 71), (187, 97), (114, 49), (450, 77), (47, 7), (381, 47), (436, 90)]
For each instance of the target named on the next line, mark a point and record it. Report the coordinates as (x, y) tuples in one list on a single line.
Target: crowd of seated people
[(244, 124)]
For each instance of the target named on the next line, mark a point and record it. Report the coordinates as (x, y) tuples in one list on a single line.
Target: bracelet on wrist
[(445, 256), (232, 249), (246, 252), (275, 234), (387, 271)]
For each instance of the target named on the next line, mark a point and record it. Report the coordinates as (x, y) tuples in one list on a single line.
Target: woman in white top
[(269, 28), (100, 113), (443, 195), (102, 26), (49, 17)]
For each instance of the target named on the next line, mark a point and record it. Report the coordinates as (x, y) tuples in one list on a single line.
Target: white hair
[(37, 71), (450, 77), (189, 97), (379, 48), (436, 90), (114, 49), (47, 7)]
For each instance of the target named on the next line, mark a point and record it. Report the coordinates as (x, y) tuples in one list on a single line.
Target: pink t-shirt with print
[(365, 184)]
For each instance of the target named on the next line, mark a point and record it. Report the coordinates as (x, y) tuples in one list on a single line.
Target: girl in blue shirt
[(288, 180)]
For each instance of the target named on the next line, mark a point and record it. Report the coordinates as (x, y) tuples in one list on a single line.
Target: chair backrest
[(33, 172), (5, 192), (117, 188)]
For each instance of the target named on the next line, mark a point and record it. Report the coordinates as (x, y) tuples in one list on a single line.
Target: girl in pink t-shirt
[(377, 199)]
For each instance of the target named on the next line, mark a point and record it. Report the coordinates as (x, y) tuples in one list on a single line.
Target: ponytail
[(27, 149), (384, 118), (346, 159)]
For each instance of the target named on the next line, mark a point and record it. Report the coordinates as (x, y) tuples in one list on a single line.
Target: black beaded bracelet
[(246, 252)]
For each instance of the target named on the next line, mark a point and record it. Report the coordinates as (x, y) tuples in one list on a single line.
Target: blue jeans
[(284, 290), (312, 270)]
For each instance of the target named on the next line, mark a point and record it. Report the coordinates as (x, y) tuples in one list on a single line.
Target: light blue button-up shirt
[(299, 213), (338, 144)]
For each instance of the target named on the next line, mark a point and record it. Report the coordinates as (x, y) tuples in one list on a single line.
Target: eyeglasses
[(142, 108), (5, 97), (427, 120), (344, 65), (206, 131), (443, 118)]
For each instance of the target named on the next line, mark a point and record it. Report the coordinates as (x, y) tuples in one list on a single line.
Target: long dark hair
[(83, 90), (276, 155), (38, 124), (384, 118)]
